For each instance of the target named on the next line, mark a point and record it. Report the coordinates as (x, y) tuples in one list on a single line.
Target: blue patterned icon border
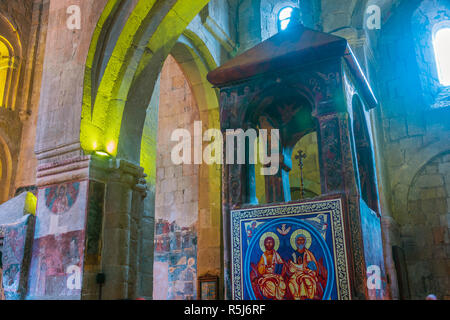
[(332, 207)]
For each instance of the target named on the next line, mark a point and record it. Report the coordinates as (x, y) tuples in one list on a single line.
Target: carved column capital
[(24, 115)]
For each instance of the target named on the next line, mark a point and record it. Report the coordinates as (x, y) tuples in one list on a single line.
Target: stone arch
[(6, 169), (118, 90), (10, 127), (10, 63), (105, 37), (424, 228), (127, 83), (196, 62), (311, 171), (202, 216), (404, 175), (177, 185)]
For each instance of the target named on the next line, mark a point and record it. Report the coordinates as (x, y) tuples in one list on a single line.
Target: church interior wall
[(27, 164), (176, 201), (68, 48), (411, 134), (424, 229), (17, 29), (194, 196)]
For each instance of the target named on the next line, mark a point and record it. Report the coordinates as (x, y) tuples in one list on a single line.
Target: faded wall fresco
[(2, 295), (16, 254), (57, 258), (175, 267), (2, 235)]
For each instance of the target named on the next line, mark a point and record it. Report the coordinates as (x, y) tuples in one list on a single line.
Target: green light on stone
[(102, 153)]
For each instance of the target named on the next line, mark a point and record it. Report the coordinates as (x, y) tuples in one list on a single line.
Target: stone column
[(123, 203), (63, 74), (125, 190), (146, 246), (62, 162), (139, 193)]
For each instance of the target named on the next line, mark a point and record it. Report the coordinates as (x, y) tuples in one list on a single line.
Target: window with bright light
[(284, 17), (442, 52)]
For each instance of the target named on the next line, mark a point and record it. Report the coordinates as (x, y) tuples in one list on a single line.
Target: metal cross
[(300, 156)]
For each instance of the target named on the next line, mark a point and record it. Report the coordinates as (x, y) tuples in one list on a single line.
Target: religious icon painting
[(208, 287), (290, 252), (60, 198)]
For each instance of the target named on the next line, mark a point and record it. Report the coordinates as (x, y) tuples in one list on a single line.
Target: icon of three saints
[(297, 278)]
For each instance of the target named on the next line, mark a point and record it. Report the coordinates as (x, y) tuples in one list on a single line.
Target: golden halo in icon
[(263, 238), (298, 232)]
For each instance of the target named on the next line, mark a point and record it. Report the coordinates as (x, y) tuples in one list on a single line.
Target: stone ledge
[(57, 151), (67, 170)]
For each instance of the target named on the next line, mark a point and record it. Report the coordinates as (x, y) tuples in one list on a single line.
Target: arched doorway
[(10, 63), (187, 201), (5, 170), (119, 119), (177, 192), (424, 230)]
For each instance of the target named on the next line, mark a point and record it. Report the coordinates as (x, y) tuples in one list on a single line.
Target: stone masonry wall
[(176, 212), (425, 230), (410, 134), (26, 168)]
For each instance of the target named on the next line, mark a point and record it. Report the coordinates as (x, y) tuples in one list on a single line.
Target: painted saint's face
[(300, 241), (73, 245), (269, 243), (61, 191)]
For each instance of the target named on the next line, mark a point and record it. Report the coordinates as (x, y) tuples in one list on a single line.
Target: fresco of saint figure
[(59, 199), (270, 269), (2, 296), (61, 203), (303, 283)]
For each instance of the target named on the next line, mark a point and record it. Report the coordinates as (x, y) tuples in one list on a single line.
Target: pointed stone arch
[(196, 61), (424, 228), (10, 63), (6, 163), (117, 116)]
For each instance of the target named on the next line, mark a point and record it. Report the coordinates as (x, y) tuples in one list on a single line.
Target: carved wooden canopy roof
[(295, 47)]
